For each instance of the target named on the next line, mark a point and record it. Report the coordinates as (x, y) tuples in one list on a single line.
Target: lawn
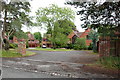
[(50, 49), (13, 53)]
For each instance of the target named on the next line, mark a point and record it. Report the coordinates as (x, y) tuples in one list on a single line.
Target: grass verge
[(12, 53), (49, 49), (110, 62)]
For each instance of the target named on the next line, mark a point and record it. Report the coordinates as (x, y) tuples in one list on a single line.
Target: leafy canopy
[(37, 36), (57, 21), (16, 15), (49, 15), (100, 16)]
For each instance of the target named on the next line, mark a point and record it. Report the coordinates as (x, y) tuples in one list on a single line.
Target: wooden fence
[(109, 46)]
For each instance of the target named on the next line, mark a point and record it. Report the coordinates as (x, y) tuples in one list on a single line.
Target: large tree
[(62, 28), (104, 17), (14, 17), (52, 17)]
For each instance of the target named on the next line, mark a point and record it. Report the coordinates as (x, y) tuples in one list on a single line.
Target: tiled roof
[(86, 32), (71, 35), (79, 34)]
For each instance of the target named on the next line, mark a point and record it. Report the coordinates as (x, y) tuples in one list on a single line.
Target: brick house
[(73, 35), (32, 42), (46, 42)]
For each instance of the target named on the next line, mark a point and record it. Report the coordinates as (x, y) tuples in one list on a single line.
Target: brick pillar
[(22, 48)]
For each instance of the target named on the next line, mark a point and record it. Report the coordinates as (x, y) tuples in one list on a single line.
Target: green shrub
[(60, 46), (13, 45), (111, 62), (80, 44), (79, 47), (70, 46)]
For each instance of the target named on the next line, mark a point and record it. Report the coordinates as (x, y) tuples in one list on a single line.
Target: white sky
[(35, 4)]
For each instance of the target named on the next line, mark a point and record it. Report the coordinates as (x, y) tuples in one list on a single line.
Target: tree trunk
[(6, 45), (54, 45), (5, 39), (0, 37)]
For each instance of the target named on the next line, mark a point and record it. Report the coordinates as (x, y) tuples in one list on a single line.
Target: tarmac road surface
[(50, 64)]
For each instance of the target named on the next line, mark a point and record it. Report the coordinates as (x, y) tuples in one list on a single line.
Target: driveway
[(65, 56), (56, 64)]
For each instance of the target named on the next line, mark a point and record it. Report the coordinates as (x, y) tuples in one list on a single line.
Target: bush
[(13, 45), (58, 46), (80, 44), (69, 46), (79, 47), (110, 61), (61, 46)]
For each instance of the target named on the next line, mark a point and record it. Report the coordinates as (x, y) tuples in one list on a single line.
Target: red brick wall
[(22, 48), (88, 42), (34, 43), (104, 47), (83, 35)]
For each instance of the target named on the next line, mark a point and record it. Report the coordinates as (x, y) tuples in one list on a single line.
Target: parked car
[(43, 46)]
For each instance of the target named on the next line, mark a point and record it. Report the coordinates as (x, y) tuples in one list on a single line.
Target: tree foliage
[(65, 26), (49, 15), (103, 16), (38, 36), (80, 43), (16, 14), (57, 21), (14, 17), (93, 35)]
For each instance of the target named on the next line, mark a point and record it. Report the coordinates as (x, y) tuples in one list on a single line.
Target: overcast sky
[(35, 4)]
